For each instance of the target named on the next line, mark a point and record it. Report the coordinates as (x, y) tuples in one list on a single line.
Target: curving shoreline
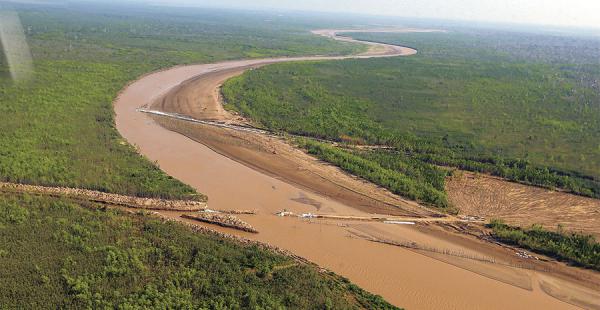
[(199, 100), (403, 277)]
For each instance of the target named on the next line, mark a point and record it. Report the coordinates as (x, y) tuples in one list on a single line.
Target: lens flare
[(15, 47)]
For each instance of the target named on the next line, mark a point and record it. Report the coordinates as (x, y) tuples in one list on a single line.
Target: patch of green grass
[(57, 254), (524, 107)]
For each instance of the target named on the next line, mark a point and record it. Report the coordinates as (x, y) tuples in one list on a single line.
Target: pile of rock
[(221, 219)]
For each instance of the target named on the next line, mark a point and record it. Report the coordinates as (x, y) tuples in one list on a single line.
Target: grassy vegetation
[(524, 107), (578, 249), (59, 129), (58, 254), (403, 176)]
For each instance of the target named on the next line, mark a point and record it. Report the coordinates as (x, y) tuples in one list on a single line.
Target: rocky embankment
[(113, 199)]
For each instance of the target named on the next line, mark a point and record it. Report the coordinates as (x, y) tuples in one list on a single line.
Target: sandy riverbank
[(405, 277)]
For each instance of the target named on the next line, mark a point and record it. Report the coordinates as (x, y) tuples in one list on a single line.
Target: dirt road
[(236, 172)]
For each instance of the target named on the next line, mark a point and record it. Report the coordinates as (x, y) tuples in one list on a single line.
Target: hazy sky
[(550, 12)]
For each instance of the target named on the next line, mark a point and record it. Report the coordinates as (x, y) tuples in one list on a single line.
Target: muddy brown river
[(404, 277)]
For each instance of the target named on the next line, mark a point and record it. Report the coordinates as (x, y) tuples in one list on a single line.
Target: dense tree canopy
[(58, 254)]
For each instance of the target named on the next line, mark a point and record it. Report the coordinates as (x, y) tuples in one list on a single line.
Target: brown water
[(401, 276)]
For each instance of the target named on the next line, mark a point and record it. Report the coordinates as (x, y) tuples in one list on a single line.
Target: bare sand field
[(522, 205), (438, 269)]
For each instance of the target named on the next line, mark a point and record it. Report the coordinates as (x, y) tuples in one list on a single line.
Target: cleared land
[(522, 205), (400, 274)]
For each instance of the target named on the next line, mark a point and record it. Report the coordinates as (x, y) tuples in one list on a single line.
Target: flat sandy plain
[(442, 268), (523, 205)]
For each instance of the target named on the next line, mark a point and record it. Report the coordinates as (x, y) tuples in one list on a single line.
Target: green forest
[(58, 253), (525, 107), (575, 248), (400, 174), (59, 129)]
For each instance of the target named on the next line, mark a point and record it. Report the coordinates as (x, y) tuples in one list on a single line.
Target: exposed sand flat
[(405, 277), (277, 158), (375, 49), (199, 98), (523, 205)]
